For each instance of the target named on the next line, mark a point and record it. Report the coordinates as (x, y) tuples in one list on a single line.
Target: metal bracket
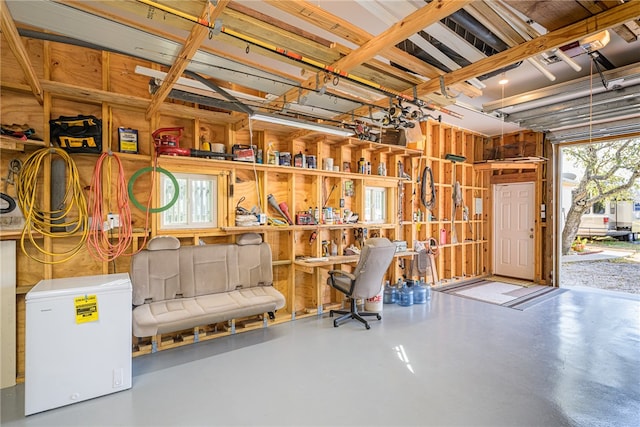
[(443, 89)]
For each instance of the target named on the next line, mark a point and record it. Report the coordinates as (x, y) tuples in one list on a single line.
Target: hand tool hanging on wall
[(15, 165), (429, 201), (456, 193)]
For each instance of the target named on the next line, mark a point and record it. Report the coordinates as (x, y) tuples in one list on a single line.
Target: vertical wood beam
[(15, 44), (191, 45)]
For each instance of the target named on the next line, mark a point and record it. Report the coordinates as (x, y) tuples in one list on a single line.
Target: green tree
[(611, 171)]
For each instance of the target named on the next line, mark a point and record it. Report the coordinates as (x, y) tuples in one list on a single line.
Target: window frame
[(187, 201)]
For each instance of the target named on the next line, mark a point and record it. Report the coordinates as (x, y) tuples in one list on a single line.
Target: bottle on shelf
[(271, 155)]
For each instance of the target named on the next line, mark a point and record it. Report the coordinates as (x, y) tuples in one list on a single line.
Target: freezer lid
[(78, 285)]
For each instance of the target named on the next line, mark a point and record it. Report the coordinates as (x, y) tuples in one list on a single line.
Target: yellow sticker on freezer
[(86, 308)]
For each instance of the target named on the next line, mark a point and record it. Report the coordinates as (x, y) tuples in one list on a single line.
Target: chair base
[(352, 314)]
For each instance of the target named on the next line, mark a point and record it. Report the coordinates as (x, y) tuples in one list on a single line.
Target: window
[(598, 208), (375, 203), (196, 206)]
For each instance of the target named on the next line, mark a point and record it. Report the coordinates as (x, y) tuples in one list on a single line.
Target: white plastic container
[(374, 303)]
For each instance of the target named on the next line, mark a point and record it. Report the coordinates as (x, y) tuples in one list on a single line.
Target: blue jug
[(421, 293), (390, 294), (405, 295)]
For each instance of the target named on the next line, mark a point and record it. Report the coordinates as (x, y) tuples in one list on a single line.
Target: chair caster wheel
[(335, 324), (367, 326), (331, 313), (378, 317)]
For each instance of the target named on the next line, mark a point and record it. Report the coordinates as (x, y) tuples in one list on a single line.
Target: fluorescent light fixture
[(301, 124)]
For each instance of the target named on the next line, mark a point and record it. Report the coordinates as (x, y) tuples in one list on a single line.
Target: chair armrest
[(342, 273)]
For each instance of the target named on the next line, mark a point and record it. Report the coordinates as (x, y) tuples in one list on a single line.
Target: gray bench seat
[(180, 287)]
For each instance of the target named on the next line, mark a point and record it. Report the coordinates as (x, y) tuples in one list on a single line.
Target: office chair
[(366, 279)]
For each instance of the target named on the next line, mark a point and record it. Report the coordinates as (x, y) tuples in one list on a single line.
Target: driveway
[(602, 269)]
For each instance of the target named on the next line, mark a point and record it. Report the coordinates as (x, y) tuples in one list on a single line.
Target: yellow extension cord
[(73, 216)]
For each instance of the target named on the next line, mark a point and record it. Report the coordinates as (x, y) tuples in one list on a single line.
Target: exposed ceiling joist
[(348, 31), (552, 40), (280, 24), (432, 12), (418, 20), (15, 44), (190, 47)]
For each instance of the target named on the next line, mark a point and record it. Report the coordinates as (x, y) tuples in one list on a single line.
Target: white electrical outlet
[(113, 220)]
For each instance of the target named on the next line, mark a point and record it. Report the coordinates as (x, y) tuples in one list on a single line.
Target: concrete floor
[(573, 360)]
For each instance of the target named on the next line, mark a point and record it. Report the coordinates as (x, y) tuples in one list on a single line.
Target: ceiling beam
[(348, 31), (19, 51), (552, 40), (414, 22), (190, 47), (279, 24)]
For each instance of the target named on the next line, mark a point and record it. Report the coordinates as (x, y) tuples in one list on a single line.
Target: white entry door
[(513, 230)]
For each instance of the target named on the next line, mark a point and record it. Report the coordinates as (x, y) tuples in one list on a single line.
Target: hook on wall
[(445, 91)]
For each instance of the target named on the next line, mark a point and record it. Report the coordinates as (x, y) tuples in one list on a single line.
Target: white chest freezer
[(78, 340)]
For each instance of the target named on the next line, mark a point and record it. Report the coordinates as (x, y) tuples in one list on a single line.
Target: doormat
[(515, 296)]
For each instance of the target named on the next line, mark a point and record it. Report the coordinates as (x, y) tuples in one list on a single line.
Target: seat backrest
[(208, 269), (155, 271), (166, 271), (375, 257), (254, 261)]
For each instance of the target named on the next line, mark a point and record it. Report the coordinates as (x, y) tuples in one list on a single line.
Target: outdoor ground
[(604, 265)]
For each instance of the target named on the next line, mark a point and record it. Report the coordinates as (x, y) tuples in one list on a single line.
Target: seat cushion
[(185, 313)]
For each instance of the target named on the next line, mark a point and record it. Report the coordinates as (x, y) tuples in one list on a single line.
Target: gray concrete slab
[(571, 360)]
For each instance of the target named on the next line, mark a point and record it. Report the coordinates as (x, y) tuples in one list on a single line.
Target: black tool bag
[(79, 134)]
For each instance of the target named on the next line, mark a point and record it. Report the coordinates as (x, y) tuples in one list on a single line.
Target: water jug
[(421, 293), (390, 295), (405, 295)]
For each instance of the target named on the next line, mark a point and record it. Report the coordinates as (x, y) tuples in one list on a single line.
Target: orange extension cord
[(102, 244)]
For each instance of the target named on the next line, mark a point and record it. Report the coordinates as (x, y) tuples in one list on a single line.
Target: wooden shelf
[(513, 163), (15, 144)]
